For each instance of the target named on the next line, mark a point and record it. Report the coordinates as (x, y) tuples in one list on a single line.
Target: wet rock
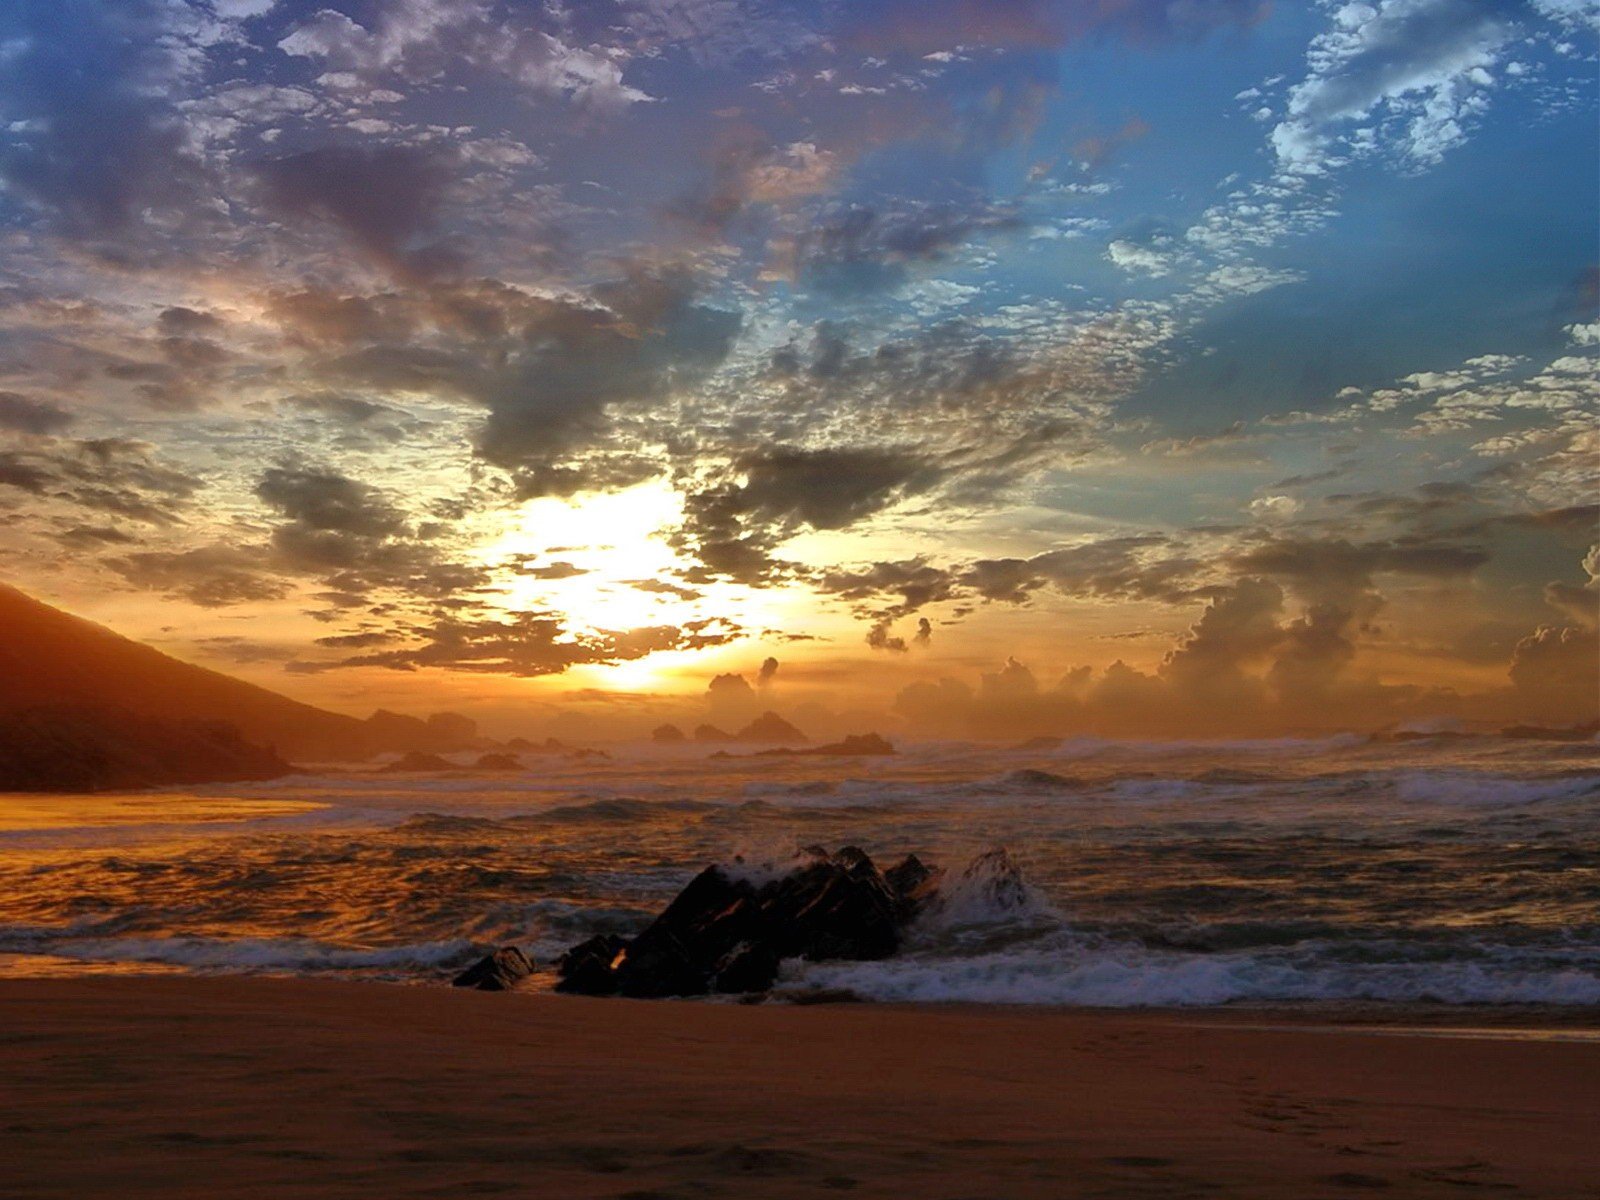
[(589, 968), (746, 968), (725, 932), (912, 882), (499, 972)]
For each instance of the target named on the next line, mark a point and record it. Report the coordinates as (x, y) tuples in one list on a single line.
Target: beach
[(176, 1086)]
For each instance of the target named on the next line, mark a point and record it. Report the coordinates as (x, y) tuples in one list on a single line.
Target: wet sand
[(232, 1087)]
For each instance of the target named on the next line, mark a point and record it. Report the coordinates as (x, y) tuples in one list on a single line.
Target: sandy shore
[(250, 1087)]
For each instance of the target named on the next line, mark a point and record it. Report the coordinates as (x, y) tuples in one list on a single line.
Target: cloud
[(929, 26), (422, 41), (211, 576), (383, 197), (768, 496), (856, 249), (23, 414), (114, 476), (1423, 63), (93, 142)]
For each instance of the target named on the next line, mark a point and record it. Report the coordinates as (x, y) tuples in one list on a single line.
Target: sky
[(979, 367)]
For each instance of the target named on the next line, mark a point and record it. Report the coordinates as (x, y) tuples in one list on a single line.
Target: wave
[(1129, 976), (244, 954), (1474, 788)]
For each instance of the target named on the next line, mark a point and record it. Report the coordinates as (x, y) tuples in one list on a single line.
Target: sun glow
[(604, 564), (602, 560)]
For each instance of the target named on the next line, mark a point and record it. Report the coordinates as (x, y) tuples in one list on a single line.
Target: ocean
[(1433, 871)]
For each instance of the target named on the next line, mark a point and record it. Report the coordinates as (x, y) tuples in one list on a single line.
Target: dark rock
[(589, 968), (519, 743), (908, 880), (498, 762), (725, 933), (416, 760), (667, 735), (857, 745), (748, 967), (499, 972), (770, 727), (710, 733)]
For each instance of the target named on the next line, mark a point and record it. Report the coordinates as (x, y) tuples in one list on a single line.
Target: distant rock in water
[(496, 761), (710, 733), (729, 929), (499, 972), (417, 760), (667, 735), (857, 745), (71, 748), (770, 727)]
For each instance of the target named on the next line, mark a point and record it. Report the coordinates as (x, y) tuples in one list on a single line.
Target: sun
[(601, 560), (605, 564)]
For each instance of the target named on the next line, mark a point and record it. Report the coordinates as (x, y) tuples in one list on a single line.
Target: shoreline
[(162, 1085)]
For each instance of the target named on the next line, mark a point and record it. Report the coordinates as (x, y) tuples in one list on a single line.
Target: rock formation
[(499, 972), (727, 931), (769, 727)]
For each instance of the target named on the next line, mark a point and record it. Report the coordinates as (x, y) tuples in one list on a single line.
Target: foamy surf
[(1174, 874)]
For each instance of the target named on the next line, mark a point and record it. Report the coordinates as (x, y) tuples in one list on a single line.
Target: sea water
[(1440, 870)]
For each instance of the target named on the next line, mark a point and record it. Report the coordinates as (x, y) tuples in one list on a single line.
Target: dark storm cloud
[(1335, 568), (549, 370), (348, 410), (383, 197), (532, 644), (211, 576), (325, 501), (771, 495), (178, 321), (1142, 566), (855, 249), (22, 414), (116, 476), (568, 362)]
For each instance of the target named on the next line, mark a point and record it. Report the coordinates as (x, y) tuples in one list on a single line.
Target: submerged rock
[(499, 972)]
